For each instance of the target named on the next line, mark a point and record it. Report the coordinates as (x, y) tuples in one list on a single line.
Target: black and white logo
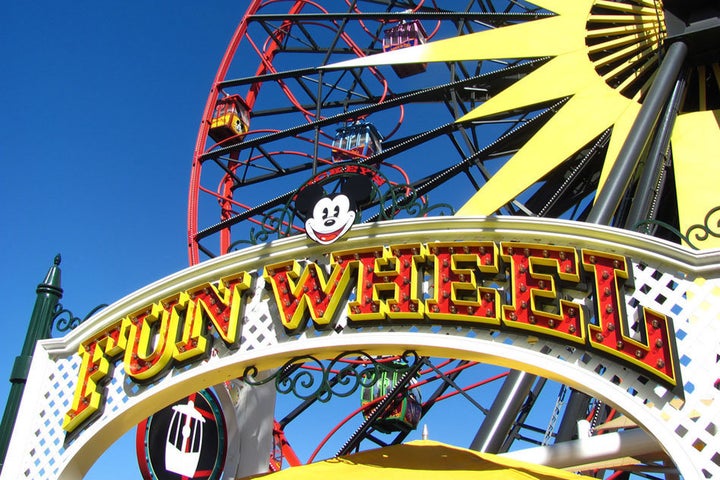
[(328, 216), (184, 440)]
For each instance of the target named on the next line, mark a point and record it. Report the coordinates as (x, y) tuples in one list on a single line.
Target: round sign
[(184, 440)]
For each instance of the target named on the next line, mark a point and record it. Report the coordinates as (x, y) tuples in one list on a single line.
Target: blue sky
[(101, 103)]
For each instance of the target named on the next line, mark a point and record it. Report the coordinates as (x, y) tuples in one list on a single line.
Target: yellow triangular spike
[(566, 133), (560, 77), (696, 162), (539, 38), (620, 131)]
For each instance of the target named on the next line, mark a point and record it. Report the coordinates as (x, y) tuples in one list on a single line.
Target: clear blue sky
[(100, 104), (99, 110)]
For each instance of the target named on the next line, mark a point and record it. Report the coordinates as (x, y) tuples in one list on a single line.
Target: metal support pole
[(586, 451), (610, 196), (575, 410), (652, 171), (49, 294), (504, 410), (318, 107)]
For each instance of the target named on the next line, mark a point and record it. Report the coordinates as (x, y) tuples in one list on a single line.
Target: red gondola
[(403, 35)]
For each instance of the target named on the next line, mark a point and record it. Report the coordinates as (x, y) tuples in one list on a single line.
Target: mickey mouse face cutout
[(329, 216)]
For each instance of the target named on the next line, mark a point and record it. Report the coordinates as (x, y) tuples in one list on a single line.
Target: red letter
[(655, 352), (458, 292), (534, 297)]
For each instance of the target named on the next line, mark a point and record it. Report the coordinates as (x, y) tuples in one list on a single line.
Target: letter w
[(299, 293)]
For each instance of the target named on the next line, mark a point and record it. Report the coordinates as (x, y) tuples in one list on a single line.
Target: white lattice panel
[(47, 435)]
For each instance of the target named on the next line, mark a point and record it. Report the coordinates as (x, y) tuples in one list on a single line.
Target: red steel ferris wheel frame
[(215, 91)]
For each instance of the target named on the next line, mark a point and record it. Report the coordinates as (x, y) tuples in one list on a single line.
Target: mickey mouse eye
[(337, 210), (326, 213)]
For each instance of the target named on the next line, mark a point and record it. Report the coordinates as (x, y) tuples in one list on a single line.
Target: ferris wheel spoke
[(335, 119), (267, 77)]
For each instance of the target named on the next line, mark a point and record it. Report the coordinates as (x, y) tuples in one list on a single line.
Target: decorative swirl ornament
[(698, 232), (64, 321), (307, 377), (387, 201), (705, 230)]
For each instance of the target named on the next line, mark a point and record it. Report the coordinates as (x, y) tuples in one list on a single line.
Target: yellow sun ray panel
[(582, 119), (623, 7), (634, 19), (643, 46), (539, 38), (620, 41), (638, 69), (562, 76), (617, 31), (696, 161), (645, 88)]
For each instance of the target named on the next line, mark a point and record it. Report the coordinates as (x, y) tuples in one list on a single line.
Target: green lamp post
[(49, 294)]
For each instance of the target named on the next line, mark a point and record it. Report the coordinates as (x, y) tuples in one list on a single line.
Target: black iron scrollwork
[(698, 232), (703, 231), (64, 321), (307, 377), (404, 198), (388, 200)]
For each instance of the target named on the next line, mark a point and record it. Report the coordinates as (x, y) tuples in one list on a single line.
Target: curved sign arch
[(552, 298)]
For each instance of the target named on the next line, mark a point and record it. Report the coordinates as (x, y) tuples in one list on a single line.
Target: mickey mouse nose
[(329, 222)]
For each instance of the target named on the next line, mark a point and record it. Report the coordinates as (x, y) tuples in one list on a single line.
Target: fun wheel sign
[(613, 314), (373, 215)]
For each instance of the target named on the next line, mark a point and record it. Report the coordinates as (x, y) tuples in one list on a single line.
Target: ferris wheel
[(488, 107)]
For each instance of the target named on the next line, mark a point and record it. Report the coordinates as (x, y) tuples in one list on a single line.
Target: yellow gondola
[(231, 118)]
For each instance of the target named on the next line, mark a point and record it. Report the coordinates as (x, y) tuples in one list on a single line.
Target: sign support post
[(49, 294)]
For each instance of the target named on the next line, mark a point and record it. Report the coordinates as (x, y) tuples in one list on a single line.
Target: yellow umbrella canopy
[(421, 460)]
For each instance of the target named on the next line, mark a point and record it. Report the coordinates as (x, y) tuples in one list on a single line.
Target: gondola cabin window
[(231, 118)]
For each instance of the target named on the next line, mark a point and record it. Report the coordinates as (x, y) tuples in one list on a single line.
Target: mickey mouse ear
[(308, 197), (358, 188)]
